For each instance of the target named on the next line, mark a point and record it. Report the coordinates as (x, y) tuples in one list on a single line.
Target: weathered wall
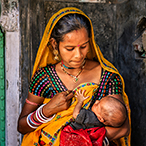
[(115, 30), (9, 22), (132, 68)]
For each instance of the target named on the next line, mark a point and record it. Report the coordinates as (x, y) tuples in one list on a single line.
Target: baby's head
[(110, 111)]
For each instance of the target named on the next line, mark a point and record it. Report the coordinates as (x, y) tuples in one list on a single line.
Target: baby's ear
[(96, 102), (100, 118)]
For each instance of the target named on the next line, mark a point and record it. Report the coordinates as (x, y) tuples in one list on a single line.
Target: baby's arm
[(80, 96)]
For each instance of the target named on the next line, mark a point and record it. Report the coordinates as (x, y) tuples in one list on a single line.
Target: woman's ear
[(53, 43)]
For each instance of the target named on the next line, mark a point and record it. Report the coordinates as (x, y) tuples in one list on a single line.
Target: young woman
[(68, 58)]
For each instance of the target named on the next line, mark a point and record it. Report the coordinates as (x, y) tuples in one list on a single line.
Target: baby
[(108, 111), (88, 129)]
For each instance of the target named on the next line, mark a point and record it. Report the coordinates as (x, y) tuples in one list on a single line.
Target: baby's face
[(96, 108)]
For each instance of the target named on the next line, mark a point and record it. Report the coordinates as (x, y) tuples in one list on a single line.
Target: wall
[(132, 68), (9, 23), (115, 30)]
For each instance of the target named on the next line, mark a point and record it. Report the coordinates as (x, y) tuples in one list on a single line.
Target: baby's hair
[(114, 112)]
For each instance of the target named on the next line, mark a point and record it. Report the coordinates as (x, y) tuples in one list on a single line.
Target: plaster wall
[(12, 88), (9, 22)]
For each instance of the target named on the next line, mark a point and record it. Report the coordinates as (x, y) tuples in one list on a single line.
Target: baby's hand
[(80, 95)]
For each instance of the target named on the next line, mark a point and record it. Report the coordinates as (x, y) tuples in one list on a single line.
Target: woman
[(64, 62)]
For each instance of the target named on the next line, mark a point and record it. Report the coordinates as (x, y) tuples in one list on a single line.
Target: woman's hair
[(69, 23)]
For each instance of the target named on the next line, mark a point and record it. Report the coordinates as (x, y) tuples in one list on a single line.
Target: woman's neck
[(72, 70)]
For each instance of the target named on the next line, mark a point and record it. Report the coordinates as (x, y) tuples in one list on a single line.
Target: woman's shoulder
[(109, 76), (48, 66), (45, 69)]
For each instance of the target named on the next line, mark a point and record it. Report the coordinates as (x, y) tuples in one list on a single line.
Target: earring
[(55, 52)]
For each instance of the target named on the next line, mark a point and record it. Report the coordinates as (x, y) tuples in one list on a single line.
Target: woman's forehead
[(76, 36)]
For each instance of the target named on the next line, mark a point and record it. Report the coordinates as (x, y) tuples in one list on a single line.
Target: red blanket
[(82, 137)]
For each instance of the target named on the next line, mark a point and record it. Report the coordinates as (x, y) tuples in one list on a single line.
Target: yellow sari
[(44, 57)]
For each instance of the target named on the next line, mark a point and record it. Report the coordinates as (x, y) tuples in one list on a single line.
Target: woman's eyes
[(82, 47), (71, 49)]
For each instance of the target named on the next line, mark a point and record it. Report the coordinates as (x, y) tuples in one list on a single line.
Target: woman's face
[(74, 47)]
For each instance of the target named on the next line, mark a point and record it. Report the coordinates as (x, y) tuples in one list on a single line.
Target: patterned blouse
[(46, 83)]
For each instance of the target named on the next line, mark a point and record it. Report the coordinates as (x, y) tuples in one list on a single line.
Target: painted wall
[(2, 89), (115, 31)]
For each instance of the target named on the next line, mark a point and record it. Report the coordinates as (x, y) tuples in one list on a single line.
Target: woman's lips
[(80, 61)]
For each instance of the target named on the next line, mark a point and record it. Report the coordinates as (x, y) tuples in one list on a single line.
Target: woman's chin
[(77, 64)]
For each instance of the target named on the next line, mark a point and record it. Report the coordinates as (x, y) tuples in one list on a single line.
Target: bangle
[(28, 122), (105, 142), (43, 116), (40, 116), (29, 102), (31, 119)]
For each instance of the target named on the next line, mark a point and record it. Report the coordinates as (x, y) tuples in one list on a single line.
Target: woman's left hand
[(116, 133)]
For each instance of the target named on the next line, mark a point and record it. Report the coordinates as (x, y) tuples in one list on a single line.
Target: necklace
[(75, 77), (66, 66)]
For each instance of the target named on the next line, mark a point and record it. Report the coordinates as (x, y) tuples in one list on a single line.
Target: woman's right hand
[(61, 101)]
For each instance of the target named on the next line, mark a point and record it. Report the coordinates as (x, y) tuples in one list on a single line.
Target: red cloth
[(82, 137)]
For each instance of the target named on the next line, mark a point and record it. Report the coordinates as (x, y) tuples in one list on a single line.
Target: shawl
[(45, 56), (82, 137)]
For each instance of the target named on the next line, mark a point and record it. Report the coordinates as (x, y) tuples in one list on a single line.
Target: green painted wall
[(2, 91)]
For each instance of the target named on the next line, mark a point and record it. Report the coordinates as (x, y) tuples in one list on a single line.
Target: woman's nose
[(78, 53)]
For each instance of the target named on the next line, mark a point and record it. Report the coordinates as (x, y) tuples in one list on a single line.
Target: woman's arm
[(22, 126), (59, 102), (116, 133)]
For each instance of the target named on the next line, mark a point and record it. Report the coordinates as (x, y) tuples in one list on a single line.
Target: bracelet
[(40, 116), (28, 122), (106, 141), (29, 102), (43, 116), (31, 119)]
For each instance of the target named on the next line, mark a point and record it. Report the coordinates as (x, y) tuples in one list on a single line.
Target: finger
[(83, 92), (86, 97), (65, 93), (77, 93), (80, 91), (69, 96), (68, 92)]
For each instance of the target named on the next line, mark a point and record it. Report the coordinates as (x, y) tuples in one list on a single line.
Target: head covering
[(45, 56)]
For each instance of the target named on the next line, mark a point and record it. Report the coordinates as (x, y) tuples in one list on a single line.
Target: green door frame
[(2, 89)]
